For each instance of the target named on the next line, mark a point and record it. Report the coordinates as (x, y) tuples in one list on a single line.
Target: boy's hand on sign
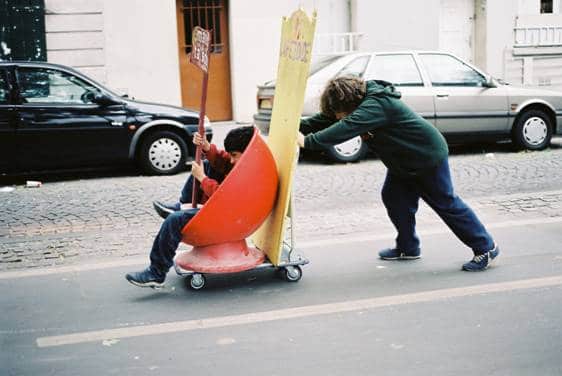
[(201, 141), (300, 140), (198, 172)]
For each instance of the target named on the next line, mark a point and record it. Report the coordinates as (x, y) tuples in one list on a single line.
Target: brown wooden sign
[(201, 48), (201, 43)]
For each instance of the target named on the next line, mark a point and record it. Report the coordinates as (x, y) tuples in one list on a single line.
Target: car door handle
[(442, 95)]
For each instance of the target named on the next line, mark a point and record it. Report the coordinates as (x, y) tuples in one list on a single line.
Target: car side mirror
[(490, 82), (104, 99)]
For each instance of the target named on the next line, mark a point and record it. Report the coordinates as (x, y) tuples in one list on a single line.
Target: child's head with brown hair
[(342, 95)]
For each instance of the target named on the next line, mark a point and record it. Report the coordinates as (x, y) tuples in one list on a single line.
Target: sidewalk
[(372, 217), (29, 246)]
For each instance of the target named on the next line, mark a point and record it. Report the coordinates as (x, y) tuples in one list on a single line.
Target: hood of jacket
[(379, 87)]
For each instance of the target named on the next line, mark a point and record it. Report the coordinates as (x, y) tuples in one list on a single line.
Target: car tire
[(163, 153), (352, 150), (532, 130)]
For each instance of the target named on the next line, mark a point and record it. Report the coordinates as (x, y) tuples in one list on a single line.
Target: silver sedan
[(462, 101)]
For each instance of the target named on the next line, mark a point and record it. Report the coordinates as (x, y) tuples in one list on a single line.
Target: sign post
[(200, 56)]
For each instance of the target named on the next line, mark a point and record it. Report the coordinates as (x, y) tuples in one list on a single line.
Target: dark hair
[(342, 94), (238, 139)]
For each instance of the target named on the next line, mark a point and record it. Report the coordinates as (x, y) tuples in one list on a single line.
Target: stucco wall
[(527, 6), (397, 25), (502, 17), (255, 32), (500, 23), (74, 32), (130, 45), (141, 49)]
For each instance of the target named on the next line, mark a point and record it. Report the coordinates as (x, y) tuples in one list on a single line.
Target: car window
[(321, 62), (356, 67), (400, 70), (445, 70), (53, 86), (4, 93)]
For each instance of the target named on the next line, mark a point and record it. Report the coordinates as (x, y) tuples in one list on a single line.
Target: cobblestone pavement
[(72, 221)]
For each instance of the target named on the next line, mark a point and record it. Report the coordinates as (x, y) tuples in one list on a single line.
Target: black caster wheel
[(292, 273), (196, 281)]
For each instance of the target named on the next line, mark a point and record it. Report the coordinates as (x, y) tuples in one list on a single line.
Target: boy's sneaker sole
[(393, 254), (151, 284), (401, 257), (136, 279)]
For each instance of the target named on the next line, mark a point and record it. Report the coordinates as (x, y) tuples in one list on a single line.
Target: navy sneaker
[(149, 277), (482, 262), (396, 254), (164, 210)]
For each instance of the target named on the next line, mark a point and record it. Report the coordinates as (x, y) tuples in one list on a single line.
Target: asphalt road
[(350, 314)]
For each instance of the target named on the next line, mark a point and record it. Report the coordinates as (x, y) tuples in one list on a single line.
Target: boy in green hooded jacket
[(415, 154)]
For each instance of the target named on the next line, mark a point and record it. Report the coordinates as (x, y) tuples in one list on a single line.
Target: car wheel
[(532, 130), (350, 151), (163, 153)]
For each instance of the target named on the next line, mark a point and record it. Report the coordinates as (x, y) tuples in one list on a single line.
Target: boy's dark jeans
[(168, 239), (401, 196)]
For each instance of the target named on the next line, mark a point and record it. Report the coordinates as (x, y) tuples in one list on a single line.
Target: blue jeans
[(401, 196), (168, 238)]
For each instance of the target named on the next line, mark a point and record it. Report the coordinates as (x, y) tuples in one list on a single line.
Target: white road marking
[(296, 312), (338, 240)]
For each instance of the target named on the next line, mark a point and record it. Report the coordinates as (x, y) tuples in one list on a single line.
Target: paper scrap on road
[(33, 184), (110, 342)]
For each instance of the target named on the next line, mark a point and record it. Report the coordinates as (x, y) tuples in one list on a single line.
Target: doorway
[(210, 15)]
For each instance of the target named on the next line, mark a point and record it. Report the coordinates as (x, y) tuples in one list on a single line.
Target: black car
[(53, 117)]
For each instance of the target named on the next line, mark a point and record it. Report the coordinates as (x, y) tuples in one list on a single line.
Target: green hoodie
[(405, 142)]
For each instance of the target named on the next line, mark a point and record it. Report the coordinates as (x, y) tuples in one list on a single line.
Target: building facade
[(141, 47)]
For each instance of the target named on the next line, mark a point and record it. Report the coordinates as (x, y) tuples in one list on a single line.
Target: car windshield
[(316, 64)]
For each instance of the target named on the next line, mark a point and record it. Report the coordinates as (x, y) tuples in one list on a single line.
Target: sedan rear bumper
[(559, 122), (262, 122)]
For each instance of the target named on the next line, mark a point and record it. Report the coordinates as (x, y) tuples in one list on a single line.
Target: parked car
[(54, 117), (462, 101)]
